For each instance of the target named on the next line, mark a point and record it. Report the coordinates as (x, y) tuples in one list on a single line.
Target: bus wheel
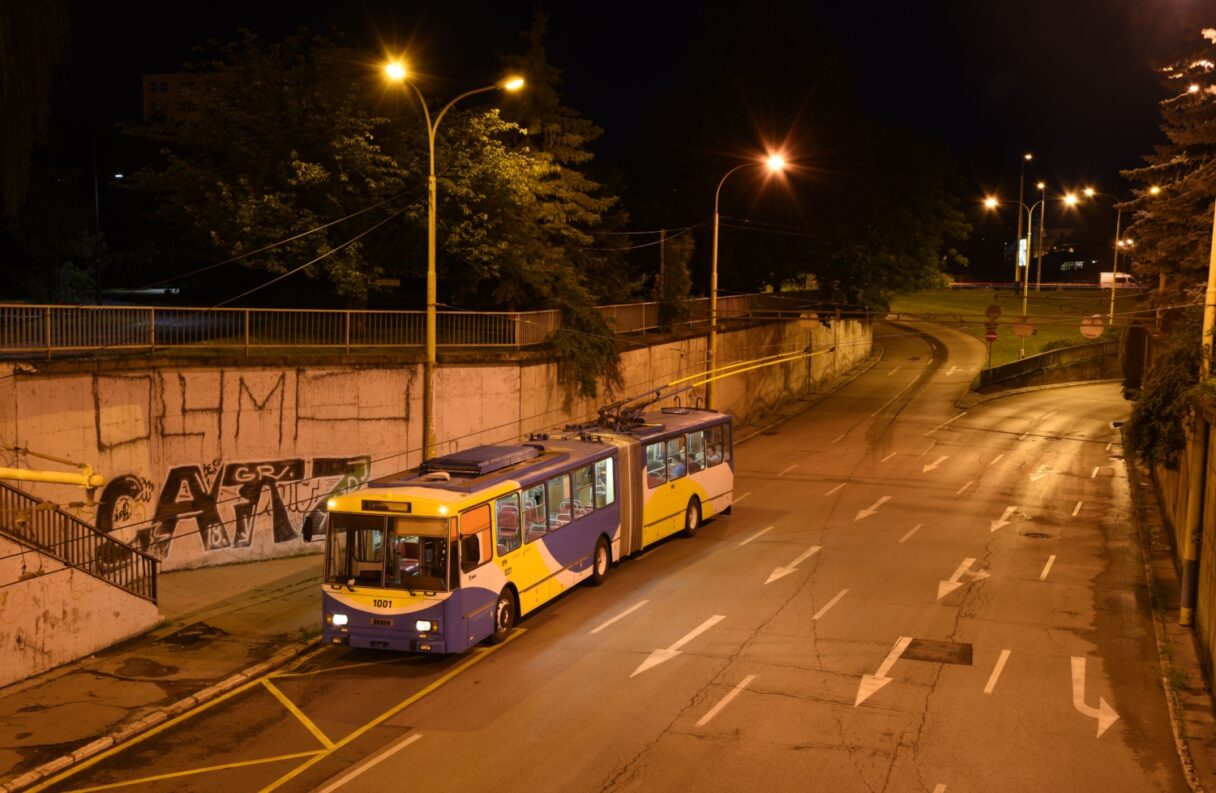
[(600, 562), (504, 616), (692, 517)]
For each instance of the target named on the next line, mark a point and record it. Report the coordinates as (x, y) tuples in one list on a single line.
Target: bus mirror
[(470, 551)]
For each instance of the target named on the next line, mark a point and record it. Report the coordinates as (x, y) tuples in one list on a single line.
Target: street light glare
[(990, 202), (1154, 190), (1090, 192), (1041, 185), (395, 71), (1070, 199), (1028, 156), (775, 163), (513, 83), (1193, 88)]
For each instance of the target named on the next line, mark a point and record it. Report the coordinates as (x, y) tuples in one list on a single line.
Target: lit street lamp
[(1017, 247), (774, 163), (1120, 243), (396, 72)]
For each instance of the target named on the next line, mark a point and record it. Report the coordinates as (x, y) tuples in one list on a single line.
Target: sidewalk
[(219, 621)]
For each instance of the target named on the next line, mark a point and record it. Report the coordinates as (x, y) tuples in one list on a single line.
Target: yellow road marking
[(299, 714), (144, 736), (482, 653), (208, 769)]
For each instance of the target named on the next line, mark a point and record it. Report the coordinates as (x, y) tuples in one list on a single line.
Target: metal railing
[(49, 328), (75, 543)]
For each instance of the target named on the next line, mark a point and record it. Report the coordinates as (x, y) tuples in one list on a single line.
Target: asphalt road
[(908, 597)]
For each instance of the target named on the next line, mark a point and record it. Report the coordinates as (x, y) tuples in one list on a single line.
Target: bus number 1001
[(382, 604)]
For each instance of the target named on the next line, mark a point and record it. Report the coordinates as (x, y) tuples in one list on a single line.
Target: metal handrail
[(75, 543)]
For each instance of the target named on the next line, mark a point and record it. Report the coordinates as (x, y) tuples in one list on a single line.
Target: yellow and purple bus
[(456, 551)]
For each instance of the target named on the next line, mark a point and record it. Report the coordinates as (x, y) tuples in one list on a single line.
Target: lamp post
[(1017, 246), (774, 163), (397, 73), (1119, 242), (1038, 273)]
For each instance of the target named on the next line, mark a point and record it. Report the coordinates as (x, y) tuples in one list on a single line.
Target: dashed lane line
[(1077, 508), (386, 754), (1047, 567), (996, 671), (830, 603), (757, 535), (888, 457), (909, 534), (619, 617), (722, 703), (787, 470), (835, 489)]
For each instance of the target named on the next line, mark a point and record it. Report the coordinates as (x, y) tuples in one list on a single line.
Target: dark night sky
[(1067, 79)]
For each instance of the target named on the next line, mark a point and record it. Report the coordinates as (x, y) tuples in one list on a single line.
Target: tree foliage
[(1156, 430)]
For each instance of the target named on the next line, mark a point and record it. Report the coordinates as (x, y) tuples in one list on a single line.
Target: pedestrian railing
[(50, 328), (75, 543)]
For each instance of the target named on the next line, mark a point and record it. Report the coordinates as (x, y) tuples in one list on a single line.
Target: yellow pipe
[(87, 479)]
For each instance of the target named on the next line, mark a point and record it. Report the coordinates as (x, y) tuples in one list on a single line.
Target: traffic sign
[(1023, 327), (1092, 327), (993, 311), (990, 335)]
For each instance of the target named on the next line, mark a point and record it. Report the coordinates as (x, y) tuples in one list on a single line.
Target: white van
[(1117, 280)]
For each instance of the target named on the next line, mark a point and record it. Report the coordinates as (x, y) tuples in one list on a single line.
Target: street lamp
[(397, 72), (1120, 243), (775, 163)]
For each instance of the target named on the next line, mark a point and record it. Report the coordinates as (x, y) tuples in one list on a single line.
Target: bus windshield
[(392, 553)]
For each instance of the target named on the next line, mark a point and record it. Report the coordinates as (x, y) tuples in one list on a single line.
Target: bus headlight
[(426, 626), (339, 619)]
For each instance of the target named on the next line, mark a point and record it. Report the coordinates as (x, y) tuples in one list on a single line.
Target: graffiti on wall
[(227, 503)]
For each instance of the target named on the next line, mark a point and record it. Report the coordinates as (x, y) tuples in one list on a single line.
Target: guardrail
[(49, 329), (1052, 359), (76, 543)]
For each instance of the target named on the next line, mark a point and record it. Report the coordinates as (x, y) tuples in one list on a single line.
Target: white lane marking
[(722, 703), (888, 457), (1003, 520), (870, 510), (1047, 567), (933, 465), (996, 671), (1024, 435), (871, 683), (1094, 475), (946, 587), (951, 370), (893, 371), (835, 489), (1104, 713), (838, 438), (892, 399), (940, 788), (959, 492), (387, 753), (660, 656), (620, 616), (787, 470), (1077, 508), (1109, 445), (740, 498), (909, 534), (830, 603), (944, 423), (996, 459), (792, 567), (1047, 415), (757, 535), (1044, 470)]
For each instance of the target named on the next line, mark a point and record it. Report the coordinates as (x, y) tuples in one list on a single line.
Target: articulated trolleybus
[(454, 552)]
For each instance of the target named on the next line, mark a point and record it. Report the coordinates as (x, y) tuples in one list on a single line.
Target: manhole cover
[(1036, 535), (938, 652), (193, 634)]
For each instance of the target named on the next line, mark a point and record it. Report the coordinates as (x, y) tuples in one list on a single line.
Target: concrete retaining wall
[(222, 462), (49, 615)]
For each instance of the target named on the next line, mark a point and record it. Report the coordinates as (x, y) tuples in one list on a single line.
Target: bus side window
[(696, 451), (605, 483), (560, 507), (474, 537), (713, 454), (535, 524), (675, 458), (507, 509), (656, 465), (583, 481)]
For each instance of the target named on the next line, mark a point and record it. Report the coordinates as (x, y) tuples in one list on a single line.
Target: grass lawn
[(1055, 314)]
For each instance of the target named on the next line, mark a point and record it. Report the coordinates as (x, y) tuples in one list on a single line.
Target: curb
[(972, 398), (156, 717)]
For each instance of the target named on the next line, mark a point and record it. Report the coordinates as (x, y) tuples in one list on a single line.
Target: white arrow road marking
[(1104, 713), (1077, 508), (996, 671), (962, 489), (933, 465), (1047, 567), (1002, 521), (835, 489), (946, 587), (757, 535), (996, 459), (830, 603), (871, 683), (888, 457), (620, 616), (386, 754), (1044, 470), (660, 656), (787, 470), (867, 512), (951, 370), (722, 703), (792, 567), (909, 534), (944, 423)]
